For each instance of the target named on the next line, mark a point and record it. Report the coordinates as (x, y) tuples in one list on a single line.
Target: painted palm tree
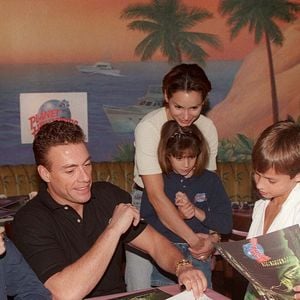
[(166, 23), (260, 17)]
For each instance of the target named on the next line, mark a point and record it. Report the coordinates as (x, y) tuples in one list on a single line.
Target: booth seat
[(23, 179)]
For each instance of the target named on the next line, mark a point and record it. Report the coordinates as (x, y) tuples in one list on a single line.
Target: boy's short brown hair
[(278, 147)]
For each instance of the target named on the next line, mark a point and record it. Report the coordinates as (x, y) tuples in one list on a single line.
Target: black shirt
[(52, 236)]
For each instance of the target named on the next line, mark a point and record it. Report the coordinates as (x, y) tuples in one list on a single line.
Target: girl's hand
[(184, 205)]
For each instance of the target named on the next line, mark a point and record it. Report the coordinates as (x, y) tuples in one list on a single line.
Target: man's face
[(184, 107), (69, 177), (272, 185)]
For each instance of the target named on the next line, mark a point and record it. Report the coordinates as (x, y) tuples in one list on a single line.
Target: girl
[(197, 194)]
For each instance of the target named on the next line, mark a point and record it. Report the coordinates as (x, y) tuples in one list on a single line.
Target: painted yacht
[(100, 67), (125, 118)]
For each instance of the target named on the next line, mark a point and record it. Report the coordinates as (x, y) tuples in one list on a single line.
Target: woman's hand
[(207, 249)]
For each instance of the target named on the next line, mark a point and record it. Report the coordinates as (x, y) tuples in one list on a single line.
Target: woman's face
[(184, 107)]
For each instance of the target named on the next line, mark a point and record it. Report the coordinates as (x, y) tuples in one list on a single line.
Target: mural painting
[(118, 51)]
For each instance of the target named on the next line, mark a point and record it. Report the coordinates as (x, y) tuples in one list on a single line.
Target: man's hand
[(184, 205), (206, 250), (123, 217), (297, 290), (192, 279)]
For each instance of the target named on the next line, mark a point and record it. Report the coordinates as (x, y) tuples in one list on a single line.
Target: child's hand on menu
[(184, 205)]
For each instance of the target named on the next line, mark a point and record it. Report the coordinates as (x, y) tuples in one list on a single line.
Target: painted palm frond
[(167, 23), (260, 17)]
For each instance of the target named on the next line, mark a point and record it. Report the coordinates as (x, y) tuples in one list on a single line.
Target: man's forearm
[(78, 279)]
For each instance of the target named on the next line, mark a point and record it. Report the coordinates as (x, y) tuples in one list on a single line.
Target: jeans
[(136, 198), (137, 272), (160, 278), (138, 269), (140, 272)]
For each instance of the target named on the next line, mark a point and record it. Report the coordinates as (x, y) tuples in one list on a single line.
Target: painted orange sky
[(58, 31)]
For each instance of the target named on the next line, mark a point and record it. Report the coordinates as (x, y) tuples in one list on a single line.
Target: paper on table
[(187, 295)]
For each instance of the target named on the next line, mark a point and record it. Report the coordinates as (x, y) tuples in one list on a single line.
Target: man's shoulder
[(33, 212), (100, 188), (32, 205)]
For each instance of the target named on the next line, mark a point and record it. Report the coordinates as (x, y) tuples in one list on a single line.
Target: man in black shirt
[(73, 232)]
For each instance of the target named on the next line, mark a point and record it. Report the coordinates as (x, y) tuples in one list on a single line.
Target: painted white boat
[(100, 67), (125, 118)]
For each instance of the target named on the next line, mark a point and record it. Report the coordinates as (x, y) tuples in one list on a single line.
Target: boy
[(276, 165)]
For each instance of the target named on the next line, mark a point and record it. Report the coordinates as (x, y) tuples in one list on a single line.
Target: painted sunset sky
[(62, 31)]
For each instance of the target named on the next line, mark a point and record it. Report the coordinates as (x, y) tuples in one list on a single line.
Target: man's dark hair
[(53, 134)]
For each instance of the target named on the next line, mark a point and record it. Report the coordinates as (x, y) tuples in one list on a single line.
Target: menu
[(269, 262)]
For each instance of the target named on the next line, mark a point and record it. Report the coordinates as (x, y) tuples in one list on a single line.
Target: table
[(171, 289), (242, 219)]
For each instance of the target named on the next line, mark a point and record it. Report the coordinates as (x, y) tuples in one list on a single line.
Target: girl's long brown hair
[(180, 141)]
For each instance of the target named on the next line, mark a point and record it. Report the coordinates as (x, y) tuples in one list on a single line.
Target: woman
[(185, 89), (197, 193)]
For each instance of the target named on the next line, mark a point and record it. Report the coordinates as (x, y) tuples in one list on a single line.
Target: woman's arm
[(167, 212)]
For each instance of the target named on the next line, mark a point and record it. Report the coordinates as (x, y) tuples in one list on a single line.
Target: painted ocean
[(120, 91)]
